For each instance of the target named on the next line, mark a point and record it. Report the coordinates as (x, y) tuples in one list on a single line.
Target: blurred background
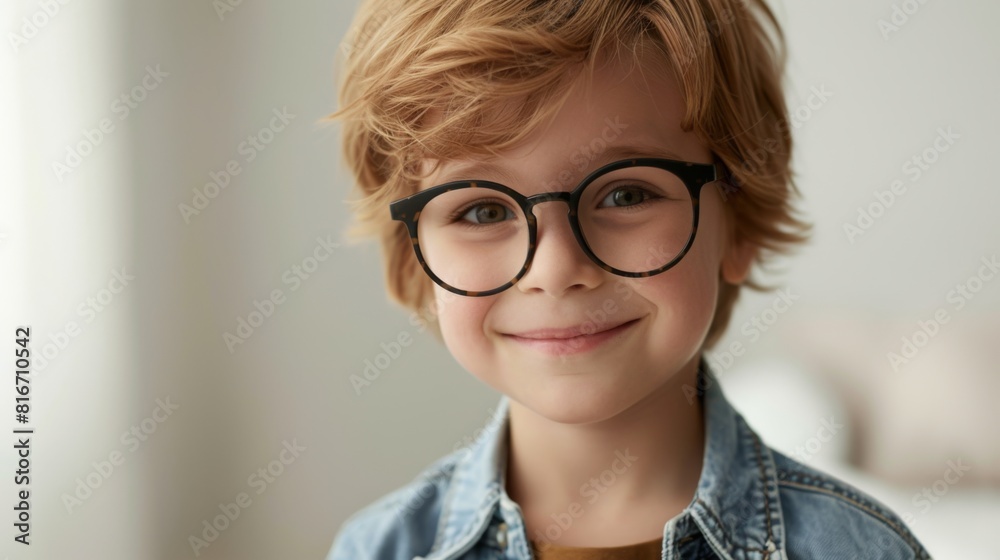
[(170, 221)]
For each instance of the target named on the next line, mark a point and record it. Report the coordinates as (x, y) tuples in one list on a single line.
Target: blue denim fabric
[(752, 502)]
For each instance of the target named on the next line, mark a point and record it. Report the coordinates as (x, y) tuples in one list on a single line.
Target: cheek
[(685, 296), (684, 300), (461, 320)]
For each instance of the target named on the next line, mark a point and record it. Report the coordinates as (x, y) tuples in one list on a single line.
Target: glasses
[(635, 218)]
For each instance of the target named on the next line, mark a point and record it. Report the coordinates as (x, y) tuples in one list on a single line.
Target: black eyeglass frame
[(694, 175)]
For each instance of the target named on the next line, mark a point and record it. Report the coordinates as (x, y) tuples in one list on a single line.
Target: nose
[(559, 263)]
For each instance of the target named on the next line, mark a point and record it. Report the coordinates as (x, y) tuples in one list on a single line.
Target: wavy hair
[(435, 79)]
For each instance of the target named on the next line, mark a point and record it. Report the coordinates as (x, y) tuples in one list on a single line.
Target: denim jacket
[(752, 502)]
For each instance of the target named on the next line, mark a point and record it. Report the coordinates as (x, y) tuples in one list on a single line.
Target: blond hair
[(464, 61)]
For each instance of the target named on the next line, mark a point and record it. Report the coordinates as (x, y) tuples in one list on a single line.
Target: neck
[(637, 469)]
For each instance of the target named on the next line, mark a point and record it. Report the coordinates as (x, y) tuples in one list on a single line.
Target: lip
[(569, 341), (571, 332)]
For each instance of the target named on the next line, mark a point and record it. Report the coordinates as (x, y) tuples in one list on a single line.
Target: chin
[(576, 405)]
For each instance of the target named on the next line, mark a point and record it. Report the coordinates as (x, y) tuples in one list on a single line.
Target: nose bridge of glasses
[(537, 199), (566, 197)]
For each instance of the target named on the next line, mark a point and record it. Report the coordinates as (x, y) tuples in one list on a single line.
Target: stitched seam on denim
[(404, 495), (471, 530), (445, 513), (726, 536), (767, 495), (899, 532), (831, 485)]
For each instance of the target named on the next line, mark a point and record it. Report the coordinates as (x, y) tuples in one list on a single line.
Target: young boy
[(657, 131)]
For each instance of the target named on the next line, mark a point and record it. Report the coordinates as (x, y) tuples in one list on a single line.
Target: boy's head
[(548, 92)]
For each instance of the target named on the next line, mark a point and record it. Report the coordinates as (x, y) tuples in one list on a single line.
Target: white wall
[(65, 234)]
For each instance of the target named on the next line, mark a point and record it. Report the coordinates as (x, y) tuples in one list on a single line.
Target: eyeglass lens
[(635, 219)]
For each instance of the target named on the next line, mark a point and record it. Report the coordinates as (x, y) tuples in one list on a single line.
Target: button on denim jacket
[(752, 502)]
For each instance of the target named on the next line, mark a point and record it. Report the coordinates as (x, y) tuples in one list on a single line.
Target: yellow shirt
[(649, 550)]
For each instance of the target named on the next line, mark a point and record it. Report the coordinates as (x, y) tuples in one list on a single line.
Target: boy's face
[(574, 381)]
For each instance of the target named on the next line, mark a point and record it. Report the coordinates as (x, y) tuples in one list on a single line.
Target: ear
[(737, 260)]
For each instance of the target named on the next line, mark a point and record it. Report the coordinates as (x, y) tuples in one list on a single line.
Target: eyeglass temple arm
[(724, 175)]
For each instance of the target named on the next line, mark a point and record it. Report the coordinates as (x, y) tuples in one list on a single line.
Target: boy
[(662, 127)]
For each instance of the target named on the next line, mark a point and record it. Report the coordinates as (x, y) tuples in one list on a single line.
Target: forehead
[(622, 110), (505, 170)]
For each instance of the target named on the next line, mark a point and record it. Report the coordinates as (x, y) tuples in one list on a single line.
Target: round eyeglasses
[(635, 218)]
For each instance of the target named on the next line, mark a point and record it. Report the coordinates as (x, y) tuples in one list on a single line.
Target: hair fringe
[(442, 79)]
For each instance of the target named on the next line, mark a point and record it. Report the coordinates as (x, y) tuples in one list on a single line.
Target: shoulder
[(400, 524), (823, 513)]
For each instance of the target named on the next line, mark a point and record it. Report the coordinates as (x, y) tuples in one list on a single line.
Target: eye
[(483, 212), (487, 213), (627, 195)]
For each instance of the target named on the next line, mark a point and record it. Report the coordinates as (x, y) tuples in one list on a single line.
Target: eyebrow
[(611, 153)]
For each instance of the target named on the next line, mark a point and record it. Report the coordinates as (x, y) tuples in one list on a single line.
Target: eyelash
[(649, 196), (456, 217)]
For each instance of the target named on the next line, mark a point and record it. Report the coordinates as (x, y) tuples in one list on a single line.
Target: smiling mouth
[(573, 344), (567, 333)]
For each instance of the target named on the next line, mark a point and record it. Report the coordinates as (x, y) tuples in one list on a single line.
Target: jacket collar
[(735, 507)]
